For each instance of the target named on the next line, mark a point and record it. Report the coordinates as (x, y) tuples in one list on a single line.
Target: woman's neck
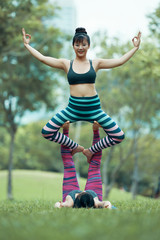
[(82, 59)]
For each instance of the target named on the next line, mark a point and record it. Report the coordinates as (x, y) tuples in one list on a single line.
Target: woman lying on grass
[(91, 197)]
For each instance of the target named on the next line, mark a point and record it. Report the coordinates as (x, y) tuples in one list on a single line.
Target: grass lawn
[(31, 214)]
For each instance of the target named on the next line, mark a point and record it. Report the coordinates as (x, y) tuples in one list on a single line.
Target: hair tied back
[(80, 34), (80, 31)]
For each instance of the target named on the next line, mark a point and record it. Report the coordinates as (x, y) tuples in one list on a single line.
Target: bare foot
[(88, 154), (96, 126), (78, 149), (65, 126)]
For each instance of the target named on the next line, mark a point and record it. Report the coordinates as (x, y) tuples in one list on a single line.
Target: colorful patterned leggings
[(70, 182), (83, 109)]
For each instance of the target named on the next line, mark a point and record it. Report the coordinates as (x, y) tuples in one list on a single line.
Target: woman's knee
[(48, 134), (43, 131), (119, 137), (122, 136)]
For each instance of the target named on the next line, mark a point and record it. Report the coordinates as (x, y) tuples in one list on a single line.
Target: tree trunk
[(108, 189), (10, 166), (135, 178)]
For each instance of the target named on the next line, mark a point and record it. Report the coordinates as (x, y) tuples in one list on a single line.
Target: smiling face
[(81, 47)]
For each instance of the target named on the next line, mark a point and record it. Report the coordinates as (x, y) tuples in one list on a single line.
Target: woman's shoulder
[(66, 63), (95, 64), (65, 60)]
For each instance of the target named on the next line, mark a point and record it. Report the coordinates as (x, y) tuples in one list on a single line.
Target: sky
[(120, 18)]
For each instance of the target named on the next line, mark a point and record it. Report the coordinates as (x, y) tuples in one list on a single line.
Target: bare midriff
[(83, 90)]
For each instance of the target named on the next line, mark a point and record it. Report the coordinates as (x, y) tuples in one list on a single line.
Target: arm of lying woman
[(68, 203), (102, 204)]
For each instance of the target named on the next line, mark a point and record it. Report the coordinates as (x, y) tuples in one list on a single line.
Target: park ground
[(31, 215)]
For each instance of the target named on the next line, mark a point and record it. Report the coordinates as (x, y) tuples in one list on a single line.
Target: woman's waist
[(83, 90)]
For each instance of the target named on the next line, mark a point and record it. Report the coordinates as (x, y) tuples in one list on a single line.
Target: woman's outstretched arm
[(50, 61), (111, 63), (68, 203)]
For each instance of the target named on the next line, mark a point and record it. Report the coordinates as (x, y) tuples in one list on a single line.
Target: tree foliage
[(25, 83), (130, 94), (154, 23), (34, 152)]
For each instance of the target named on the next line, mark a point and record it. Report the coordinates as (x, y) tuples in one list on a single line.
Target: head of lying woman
[(84, 200)]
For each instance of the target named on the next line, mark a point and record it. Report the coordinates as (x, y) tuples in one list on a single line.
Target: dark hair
[(84, 200), (80, 35)]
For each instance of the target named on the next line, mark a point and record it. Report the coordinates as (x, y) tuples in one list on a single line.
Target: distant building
[(66, 17)]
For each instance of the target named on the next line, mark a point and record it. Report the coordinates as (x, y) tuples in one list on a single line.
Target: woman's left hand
[(137, 40), (107, 204), (58, 204)]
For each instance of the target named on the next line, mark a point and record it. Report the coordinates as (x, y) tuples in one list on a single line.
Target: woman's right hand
[(58, 204), (137, 40), (26, 37), (107, 204)]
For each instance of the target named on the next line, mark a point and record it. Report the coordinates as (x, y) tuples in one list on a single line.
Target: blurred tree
[(130, 94), (4, 146), (154, 24), (45, 156), (25, 83), (37, 154)]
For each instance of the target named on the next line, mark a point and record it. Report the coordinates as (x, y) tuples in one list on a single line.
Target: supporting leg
[(94, 181), (70, 181)]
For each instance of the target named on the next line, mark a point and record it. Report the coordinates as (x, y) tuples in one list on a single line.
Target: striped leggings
[(83, 109), (70, 182)]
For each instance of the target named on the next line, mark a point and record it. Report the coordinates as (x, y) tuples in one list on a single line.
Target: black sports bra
[(81, 78)]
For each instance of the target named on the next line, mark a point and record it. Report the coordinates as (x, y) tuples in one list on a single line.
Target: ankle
[(96, 131), (90, 150), (65, 132)]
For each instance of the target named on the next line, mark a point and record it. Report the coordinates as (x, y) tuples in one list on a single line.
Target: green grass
[(33, 185), (31, 214)]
